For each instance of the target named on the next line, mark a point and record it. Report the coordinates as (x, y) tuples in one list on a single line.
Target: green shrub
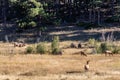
[(55, 45), (41, 48), (103, 47), (94, 44), (92, 41), (116, 49), (29, 49), (57, 22), (21, 24), (97, 46), (100, 47), (32, 24)]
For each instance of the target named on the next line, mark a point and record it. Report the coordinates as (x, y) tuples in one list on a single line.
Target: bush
[(32, 24), (95, 44), (29, 49), (57, 22), (55, 45), (103, 47), (99, 47), (41, 48), (116, 49), (92, 42)]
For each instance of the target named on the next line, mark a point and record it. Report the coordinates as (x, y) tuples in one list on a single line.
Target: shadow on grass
[(66, 33)]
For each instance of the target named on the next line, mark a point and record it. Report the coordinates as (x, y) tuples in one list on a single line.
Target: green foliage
[(50, 19), (29, 49), (103, 47), (95, 44), (57, 22), (28, 12), (92, 41), (98, 48), (116, 49), (32, 23), (41, 48), (21, 24), (55, 45)]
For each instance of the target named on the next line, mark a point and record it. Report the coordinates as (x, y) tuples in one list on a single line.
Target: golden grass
[(56, 67), (44, 65)]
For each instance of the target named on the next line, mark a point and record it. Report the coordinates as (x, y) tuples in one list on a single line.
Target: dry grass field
[(64, 67), (19, 66)]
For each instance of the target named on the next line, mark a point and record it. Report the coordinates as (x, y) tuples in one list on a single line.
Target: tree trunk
[(90, 15), (112, 7), (98, 16), (38, 35), (94, 15)]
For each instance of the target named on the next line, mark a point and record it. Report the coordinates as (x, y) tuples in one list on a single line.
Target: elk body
[(86, 66), (79, 45), (108, 52), (16, 44), (83, 53), (73, 45)]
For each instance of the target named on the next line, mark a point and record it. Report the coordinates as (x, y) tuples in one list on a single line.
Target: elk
[(16, 44), (79, 45), (60, 53), (73, 45), (108, 52), (83, 53), (86, 66)]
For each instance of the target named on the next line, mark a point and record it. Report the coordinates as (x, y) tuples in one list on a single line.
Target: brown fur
[(83, 53), (107, 52), (86, 67), (16, 44), (79, 45), (73, 45)]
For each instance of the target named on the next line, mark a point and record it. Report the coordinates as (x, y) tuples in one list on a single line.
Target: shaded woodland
[(39, 14)]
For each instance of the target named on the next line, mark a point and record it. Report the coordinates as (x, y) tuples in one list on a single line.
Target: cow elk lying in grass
[(108, 52)]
